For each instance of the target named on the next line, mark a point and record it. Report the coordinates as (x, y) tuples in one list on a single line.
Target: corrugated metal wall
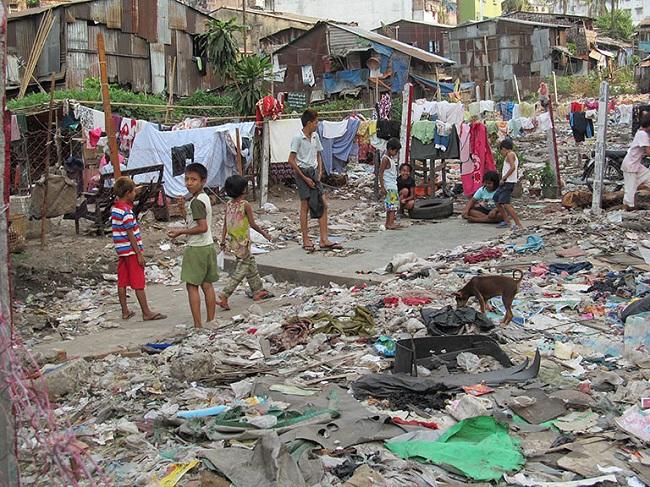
[(341, 41), (141, 36)]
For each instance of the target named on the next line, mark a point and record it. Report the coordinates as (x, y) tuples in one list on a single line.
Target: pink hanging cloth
[(482, 158)]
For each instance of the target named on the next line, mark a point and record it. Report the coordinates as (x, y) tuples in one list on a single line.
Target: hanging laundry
[(424, 131), (15, 128), (443, 131), (281, 132), (526, 109), (337, 152), (486, 106), (333, 130), (385, 106), (464, 144), (93, 137), (581, 126), (190, 123), (624, 114), (482, 158), (577, 107), (505, 108)]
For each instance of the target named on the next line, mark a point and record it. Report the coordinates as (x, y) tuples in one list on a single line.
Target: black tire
[(432, 209), (613, 177)]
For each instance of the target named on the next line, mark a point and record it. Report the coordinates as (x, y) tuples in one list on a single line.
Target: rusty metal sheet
[(341, 41), (79, 10), (77, 34), (148, 20), (124, 64), (129, 15), (80, 65), (98, 12), (183, 64), (113, 14), (164, 33), (157, 61), (141, 75), (25, 35), (177, 16)]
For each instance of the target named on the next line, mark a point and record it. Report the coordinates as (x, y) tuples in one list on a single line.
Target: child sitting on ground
[(509, 177), (238, 221), (199, 268), (481, 207), (128, 244), (406, 188), (388, 181)]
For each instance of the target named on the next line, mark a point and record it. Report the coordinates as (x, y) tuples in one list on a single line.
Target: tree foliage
[(515, 5), (617, 25), (220, 44), (249, 74)]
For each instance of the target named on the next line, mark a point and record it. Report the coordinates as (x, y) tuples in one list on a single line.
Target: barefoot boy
[(388, 181), (128, 244), (200, 258)]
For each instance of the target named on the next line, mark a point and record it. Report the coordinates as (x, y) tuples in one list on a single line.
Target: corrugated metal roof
[(420, 22), (303, 19), (514, 21), (411, 51)]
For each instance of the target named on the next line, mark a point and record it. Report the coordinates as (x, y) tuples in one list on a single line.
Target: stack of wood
[(39, 44)]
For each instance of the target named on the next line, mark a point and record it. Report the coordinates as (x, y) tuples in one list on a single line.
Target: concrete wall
[(469, 10), (367, 13), (639, 9)]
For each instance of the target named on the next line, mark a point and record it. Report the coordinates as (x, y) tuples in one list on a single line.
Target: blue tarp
[(400, 73), (445, 88), (336, 152), (382, 50), (345, 80)]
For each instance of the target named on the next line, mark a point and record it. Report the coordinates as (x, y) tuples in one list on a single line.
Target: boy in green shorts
[(200, 258)]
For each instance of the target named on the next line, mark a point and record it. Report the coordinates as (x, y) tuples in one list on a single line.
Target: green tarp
[(480, 448)]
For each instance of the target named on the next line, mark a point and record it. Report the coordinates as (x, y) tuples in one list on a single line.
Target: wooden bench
[(96, 206)]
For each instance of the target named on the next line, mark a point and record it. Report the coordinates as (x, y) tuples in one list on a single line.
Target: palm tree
[(220, 44)]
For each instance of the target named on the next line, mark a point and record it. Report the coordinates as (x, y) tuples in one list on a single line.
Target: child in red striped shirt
[(129, 248)]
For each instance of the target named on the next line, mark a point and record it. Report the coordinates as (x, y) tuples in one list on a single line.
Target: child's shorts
[(199, 265), (503, 194), (129, 272), (391, 201)]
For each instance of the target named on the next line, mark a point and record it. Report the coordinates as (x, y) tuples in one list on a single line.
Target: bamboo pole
[(48, 154), (266, 163), (170, 85), (108, 116), (488, 90), (514, 77), (555, 88), (438, 81), (240, 168), (43, 32), (153, 105)]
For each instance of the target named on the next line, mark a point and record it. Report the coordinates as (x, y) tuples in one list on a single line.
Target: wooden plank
[(601, 140)]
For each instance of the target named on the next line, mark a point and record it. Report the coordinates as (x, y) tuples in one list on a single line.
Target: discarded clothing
[(424, 424), (534, 243), (403, 400), (362, 323), (478, 447), (483, 255), (450, 321), (639, 306), (559, 268), (294, 332)]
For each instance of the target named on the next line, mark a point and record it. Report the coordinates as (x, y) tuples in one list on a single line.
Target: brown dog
[(484, 288)]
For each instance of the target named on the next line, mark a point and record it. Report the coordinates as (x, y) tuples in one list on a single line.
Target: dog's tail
[(517, 275)]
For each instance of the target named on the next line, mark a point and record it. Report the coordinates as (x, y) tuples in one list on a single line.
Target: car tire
[(432, 209)]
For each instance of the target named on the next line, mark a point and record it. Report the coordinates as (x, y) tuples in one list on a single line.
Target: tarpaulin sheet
[(153, 147), (478, 447), (445, 88), (345, 80), (400, 65)]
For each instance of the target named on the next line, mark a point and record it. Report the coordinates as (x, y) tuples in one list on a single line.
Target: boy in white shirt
[(509, 177)]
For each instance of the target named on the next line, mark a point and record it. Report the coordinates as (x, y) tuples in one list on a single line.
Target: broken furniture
[(96, 206)]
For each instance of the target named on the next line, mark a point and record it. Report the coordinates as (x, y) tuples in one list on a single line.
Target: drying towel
[(333, 130), (424, 131), (281, 133)]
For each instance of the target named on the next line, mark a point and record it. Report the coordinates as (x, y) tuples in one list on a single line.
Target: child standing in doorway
[(509, 177), (238, 221), (199, 269), (388, 181), (129, 248)]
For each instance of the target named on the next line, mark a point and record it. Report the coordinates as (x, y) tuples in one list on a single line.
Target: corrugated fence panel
[(124, 63), (341, 41), (129, 14), (98, 12), (183, 64), (164, 33), (147, 20), (77, 34), (177, 16), (113, 14), (157, 60)]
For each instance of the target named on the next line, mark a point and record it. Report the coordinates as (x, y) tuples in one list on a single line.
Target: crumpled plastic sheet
[(450, 321), (478, 447)]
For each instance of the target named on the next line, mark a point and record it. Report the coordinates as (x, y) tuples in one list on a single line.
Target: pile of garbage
[(392, 384)]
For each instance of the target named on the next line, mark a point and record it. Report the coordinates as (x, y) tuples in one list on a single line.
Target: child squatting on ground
[(509, 177), (238, 221), (199, 268), (388, 182), (128, 245), (406, 188), (481, 207)]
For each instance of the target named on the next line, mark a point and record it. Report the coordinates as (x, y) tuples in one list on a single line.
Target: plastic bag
[(221, 257)]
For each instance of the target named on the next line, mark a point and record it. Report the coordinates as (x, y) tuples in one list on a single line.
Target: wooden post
[(601, 138), (170, 87), (243, 4), (376, 90), (8, 462), (478, 92), (405, 130), (106, 99), (487, 70), (555, 87), (240, 168), (438, 81), (514, 78), (554, 142), (48, 154), (266, 163)]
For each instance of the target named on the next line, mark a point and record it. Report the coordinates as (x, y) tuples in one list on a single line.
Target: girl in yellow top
[(237, 223)]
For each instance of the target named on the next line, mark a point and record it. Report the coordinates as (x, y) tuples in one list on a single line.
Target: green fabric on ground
[(480, 448), (362, 323)]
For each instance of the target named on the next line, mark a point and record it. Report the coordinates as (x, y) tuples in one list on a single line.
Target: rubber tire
[(432, 209)]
